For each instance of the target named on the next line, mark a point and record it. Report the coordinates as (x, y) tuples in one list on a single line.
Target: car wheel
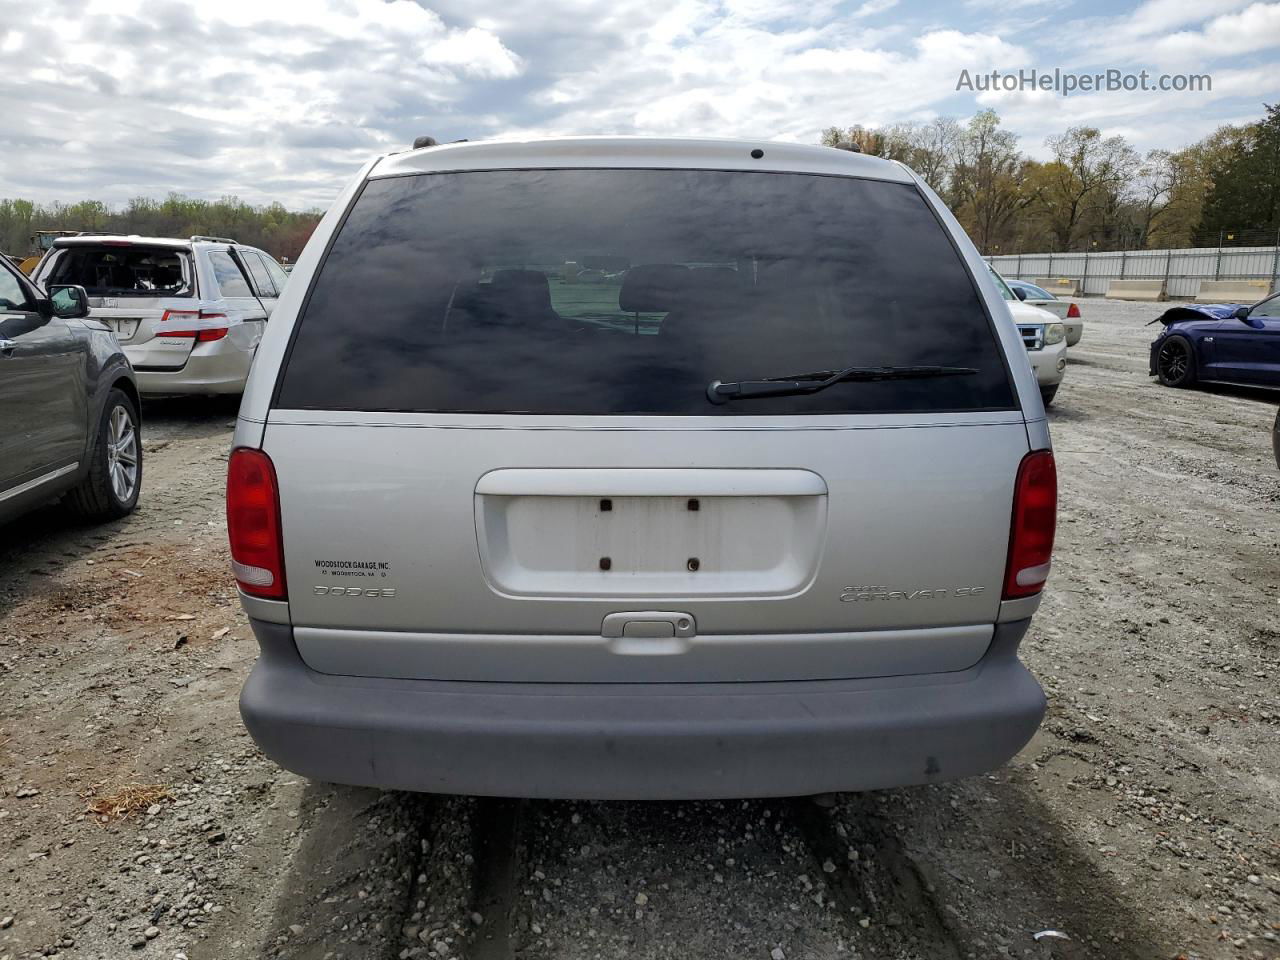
[(115, 473), (1048, 393), (1176, 362)]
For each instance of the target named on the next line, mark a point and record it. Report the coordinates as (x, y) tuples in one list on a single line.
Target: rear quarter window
[(231, 282), (628, 291)]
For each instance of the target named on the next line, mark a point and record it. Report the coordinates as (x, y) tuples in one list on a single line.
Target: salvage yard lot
[(1142, 821)]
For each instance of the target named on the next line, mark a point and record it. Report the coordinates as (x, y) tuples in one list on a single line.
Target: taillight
[(1035, 511), (253, 524), (1073, 311), (204, 335), (185, 316), (200, 336)]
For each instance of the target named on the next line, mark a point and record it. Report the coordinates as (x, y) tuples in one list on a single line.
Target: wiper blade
[(797, 384)]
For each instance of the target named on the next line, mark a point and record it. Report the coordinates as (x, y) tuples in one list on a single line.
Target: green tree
[(1245, 181), (281, 232)]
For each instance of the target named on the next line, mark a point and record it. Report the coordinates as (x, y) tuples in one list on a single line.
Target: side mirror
[(70, 301), (1242, 313), (1020, 293)]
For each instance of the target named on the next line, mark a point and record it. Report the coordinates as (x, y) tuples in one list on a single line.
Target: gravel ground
[(1143, 821)]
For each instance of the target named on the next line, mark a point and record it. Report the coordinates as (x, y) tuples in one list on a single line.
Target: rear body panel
[(911, 533)]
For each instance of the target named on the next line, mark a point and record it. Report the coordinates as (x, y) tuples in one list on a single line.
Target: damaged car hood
[(1198, 311)]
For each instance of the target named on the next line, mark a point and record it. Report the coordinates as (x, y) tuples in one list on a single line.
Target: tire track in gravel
[(498, 847), (869, 868), (704, 879), (351, 884)]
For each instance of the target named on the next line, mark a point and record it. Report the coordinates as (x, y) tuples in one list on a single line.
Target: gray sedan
[(68, 403)]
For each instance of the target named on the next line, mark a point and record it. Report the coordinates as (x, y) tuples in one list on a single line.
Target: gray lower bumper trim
[(640, 741)]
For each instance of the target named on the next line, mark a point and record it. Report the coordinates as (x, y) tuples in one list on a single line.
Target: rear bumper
[(640, 741), (218, 367)]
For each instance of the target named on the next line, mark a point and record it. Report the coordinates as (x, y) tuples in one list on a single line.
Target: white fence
[(1181, 270)]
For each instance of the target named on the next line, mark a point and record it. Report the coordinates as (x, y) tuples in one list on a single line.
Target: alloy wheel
[(1173, 361), (122, 454)]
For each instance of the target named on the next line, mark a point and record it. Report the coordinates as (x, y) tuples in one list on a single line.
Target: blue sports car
[(1219, 343)]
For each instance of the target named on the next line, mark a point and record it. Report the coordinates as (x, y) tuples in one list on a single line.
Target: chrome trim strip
[(641, 422), (651, 482), (39, 481)]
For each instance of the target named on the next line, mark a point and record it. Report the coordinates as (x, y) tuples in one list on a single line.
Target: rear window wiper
[(801, 383)]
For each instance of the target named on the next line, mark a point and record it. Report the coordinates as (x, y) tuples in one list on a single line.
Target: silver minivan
[(640, 468), (188, 312)]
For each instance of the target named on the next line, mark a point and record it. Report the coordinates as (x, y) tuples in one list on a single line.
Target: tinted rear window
[(628, 291), (128, 270)]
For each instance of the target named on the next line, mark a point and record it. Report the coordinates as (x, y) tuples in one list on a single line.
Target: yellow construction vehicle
[(41, 241)]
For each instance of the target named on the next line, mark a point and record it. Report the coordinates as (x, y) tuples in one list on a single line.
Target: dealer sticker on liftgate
[(354, 568)]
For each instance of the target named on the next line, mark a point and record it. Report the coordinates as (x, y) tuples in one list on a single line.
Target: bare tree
[(1087, 172), (986, 184), (928, 148), (936, 147), (1153, 191)]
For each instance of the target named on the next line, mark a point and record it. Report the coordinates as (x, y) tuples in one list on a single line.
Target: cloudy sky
[(108, 99)]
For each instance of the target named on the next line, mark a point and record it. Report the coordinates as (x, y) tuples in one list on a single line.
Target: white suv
[(640, 468), (189, 313)]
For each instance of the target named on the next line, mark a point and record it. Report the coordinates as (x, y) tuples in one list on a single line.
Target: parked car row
[(102, 321)]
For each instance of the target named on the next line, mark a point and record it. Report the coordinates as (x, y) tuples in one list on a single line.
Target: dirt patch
[(129, 800)]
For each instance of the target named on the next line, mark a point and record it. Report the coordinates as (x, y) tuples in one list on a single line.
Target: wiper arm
[(797, 384)]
